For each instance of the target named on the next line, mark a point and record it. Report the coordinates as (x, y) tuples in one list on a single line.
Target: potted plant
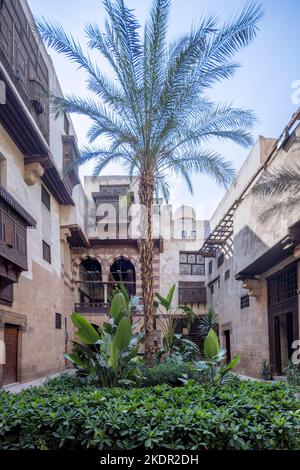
[(265, 371)]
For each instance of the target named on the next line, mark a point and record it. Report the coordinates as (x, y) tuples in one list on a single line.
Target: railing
[(92, 308), (95, 295)]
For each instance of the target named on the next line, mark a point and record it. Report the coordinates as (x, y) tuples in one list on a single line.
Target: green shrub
[(109, 354), (168, 372), (292, 373), (245, 415)]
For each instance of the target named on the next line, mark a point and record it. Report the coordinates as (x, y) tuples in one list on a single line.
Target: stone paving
[(19, 387)]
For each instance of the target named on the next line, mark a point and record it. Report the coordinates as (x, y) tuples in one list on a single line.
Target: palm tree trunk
[(146, 191)]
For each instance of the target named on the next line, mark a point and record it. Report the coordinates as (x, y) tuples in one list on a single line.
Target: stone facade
[(238, 288), (65, 244)]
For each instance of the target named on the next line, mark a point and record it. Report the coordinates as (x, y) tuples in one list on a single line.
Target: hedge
[(62, 414)]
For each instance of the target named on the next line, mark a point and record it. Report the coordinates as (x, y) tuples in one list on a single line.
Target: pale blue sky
[(264, 82)]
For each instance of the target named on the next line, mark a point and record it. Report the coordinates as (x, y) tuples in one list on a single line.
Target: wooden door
[(227, 345), (11, 354)]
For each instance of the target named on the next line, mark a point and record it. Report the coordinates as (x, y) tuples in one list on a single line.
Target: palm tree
[(154, 110), (282, 186)]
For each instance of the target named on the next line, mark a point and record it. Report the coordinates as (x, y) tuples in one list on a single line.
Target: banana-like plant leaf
[(113, 358), (86, 332), (166, 302), (123, 334), (211, 345), (118, 307), (231, 365), (170, 295), (76, 360)]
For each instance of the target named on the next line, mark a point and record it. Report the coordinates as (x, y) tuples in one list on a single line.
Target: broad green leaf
[(86, 332), (118, 307), (76, 360), (123, 334), (211, 345), (169, 297), (231, 365), (113, 359)]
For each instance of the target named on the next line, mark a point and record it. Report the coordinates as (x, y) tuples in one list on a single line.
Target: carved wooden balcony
[(21, 56), (14, 220), (192, 292)]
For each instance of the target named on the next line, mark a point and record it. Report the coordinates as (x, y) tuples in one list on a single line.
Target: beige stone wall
[(251, 239), (248, 327), (41, 345)]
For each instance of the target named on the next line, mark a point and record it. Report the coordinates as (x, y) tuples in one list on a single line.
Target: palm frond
[(274, 209), (208, 322), (155, 51), (155, 111), (277, 181), (202, 162), (235, 35)]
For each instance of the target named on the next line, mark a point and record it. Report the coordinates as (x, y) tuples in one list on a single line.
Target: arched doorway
[(122, 272), (90, 286)]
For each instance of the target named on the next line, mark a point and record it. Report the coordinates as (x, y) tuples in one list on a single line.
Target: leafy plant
[(66, 415), (156, 109), (186, 350), (207, 322), (212, 368), (266, 373), (109, 354), (292, 372), (169, 318), (168, 372)]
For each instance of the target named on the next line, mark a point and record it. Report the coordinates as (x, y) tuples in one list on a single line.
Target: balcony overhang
[(124, 242), (18, 122), (273, 256), (23, 130), (76, 237)]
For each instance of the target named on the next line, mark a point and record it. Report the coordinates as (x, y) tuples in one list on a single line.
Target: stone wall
[(250, 239)]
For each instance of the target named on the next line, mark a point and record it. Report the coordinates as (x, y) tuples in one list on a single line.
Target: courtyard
[(149, 227)]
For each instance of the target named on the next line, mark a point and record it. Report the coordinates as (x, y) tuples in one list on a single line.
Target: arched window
[(90, 283), (122, 272)]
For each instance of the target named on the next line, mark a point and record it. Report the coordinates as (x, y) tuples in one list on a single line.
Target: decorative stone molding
[(64, 234), (253, 286), (33, 171), (13, 319)]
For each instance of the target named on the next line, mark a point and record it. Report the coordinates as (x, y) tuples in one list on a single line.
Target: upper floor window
[(210, 267), (191, 264), (46, 252), (227, 274), (220, 260), (58, 322), (184, 234), (245, 301), (46, 198)]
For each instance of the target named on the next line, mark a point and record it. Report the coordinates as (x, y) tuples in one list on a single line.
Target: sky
[(270, 68)]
